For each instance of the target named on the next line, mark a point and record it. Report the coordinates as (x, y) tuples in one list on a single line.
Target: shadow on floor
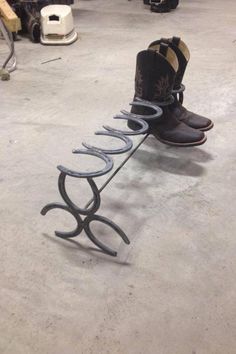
[(179, 161), (71, 247), (194, 153)]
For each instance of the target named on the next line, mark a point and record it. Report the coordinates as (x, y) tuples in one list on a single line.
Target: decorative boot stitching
[(138, 83), (162, 88)]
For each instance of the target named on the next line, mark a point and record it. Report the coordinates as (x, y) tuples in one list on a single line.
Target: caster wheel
[(35, 32), (174, 4)]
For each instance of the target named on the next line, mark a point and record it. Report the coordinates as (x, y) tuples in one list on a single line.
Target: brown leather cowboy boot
[(154, 82), (193, 120)]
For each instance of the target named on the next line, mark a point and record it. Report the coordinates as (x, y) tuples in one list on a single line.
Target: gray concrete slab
[(172, 291)]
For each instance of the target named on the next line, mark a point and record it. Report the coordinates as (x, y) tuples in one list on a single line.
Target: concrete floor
[(172, 291)]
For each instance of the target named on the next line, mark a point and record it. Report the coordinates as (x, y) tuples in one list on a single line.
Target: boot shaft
[(182, 52), (155, 73)]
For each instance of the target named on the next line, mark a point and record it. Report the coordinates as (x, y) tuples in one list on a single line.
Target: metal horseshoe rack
[(90, 209)]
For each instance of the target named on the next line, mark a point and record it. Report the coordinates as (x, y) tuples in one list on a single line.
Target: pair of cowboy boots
[(162, 5), (158, 79)]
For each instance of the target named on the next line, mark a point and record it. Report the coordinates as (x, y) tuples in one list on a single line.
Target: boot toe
[(199, 122), (189, 135), (181, 135), (191, 119)]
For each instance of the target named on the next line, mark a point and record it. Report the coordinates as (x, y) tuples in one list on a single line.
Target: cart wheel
[(174, 4), (35, 32)]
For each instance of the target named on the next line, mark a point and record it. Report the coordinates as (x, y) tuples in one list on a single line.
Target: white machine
[(57, 25)]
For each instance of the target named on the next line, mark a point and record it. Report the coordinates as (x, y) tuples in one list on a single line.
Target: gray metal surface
[(90, 211)]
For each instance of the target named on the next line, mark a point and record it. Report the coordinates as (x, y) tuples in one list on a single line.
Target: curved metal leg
[(88, 212), (83, 211), (77, 217), (108, 222)]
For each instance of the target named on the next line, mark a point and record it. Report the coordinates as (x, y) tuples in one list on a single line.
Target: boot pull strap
[(163, 49), (165, 40), (176, 41)]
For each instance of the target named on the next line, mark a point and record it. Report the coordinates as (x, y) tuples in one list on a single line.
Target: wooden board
[(9, 17)]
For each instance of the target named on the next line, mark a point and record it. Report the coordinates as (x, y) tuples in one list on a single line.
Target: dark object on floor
[(161, 6), (174, 4), (49, 61)]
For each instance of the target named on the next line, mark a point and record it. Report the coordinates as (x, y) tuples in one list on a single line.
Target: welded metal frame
[(84, 216)]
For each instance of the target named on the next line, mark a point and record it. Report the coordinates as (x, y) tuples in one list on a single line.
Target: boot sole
[(209, 127), (196, 143)]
